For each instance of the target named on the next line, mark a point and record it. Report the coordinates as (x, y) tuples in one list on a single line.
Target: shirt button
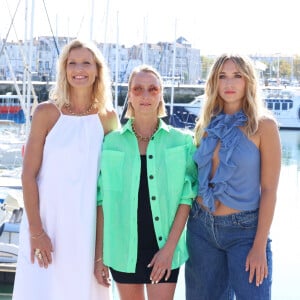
[(211, 185), (160, 238), (150, 156), (153, 198), (151, 176), (156, 218)]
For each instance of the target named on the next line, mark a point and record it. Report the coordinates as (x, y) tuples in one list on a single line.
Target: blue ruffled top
[(236, 182)]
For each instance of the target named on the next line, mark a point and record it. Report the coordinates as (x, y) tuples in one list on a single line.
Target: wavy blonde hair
[(253, 105), (102, 94), (147, 69)]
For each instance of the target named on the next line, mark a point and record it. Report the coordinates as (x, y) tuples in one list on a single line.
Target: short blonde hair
[(161, 112), (102, 93)]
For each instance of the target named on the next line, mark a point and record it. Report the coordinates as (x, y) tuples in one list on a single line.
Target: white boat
[(285, 105), (11, 197), (184, 114), (11, 211), (283, 102)]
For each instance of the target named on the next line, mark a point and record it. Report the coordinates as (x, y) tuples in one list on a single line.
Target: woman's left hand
[(161, 263), (256, 264), (41, 249)]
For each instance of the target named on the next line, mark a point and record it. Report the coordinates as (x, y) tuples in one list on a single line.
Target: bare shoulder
[(268, 133), (46, 107), (45, 115), (267, 125), (110, 120)]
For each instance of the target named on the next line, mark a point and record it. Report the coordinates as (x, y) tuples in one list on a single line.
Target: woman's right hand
[(101, 273), (41, 249)]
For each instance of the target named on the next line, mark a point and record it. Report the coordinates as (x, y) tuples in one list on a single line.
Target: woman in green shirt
[(145, 189)]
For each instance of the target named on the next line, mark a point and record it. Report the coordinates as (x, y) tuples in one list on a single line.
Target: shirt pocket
[(176, 168), (112, 166)]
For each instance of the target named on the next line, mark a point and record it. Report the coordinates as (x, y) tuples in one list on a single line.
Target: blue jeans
[(218, 247)]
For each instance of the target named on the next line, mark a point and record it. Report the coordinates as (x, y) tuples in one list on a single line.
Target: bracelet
[(38, 235), (98, 259)]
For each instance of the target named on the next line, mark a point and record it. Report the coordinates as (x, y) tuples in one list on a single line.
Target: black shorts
[(142, 274)]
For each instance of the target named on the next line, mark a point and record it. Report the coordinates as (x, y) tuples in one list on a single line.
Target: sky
[(253, 27)]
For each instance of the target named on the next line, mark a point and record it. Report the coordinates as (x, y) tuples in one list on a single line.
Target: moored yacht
[(283, 102)]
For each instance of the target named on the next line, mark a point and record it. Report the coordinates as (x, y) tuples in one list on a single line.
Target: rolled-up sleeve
[(189, 189)]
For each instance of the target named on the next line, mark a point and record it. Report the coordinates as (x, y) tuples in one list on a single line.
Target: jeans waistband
[(226, 219)]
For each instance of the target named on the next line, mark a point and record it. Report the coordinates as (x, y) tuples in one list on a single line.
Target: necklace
[(144, 138), (68, 108)]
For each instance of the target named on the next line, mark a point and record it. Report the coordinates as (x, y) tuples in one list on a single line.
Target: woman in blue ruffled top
[(238, 159)]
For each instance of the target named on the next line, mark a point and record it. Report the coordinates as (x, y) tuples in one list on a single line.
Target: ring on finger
[(38, 254), (37, 251)]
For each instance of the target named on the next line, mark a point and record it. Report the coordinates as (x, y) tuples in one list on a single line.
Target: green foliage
[(206, 63), (289, 67)]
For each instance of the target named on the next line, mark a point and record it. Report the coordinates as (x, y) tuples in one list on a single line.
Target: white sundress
[(67, 184)]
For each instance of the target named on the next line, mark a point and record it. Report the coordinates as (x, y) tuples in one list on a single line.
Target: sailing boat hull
[(11, 109), (16, 117)]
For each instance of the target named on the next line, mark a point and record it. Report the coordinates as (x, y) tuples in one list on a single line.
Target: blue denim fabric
[(218, 247)]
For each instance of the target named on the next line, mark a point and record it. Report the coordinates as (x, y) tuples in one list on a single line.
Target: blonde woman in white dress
[(60, 170)]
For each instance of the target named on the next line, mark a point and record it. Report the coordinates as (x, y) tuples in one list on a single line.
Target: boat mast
[(29, 69), (25, 71), (13, 77), (105, 54), (173, 71), (3, 49), (27, 86), (145, 49), (117, 66), (92, 20)]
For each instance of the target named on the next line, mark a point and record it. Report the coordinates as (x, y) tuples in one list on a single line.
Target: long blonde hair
[(147, 69), (102, 94), (253, 105)]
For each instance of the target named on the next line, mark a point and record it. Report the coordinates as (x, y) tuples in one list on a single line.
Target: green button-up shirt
[(172, 180)]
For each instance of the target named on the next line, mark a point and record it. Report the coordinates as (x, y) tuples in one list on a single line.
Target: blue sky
[(213, 26)]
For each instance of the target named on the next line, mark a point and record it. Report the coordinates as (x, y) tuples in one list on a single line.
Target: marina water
[(284, 232)]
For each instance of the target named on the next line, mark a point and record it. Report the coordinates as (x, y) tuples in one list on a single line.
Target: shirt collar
[(128, 127)]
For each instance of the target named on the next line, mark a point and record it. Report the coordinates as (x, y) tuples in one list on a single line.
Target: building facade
[(121, 60)]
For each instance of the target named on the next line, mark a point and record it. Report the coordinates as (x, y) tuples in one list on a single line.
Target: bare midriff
[(220, 208)]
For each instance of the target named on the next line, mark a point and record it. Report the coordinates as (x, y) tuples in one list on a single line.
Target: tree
[(206, 63)]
